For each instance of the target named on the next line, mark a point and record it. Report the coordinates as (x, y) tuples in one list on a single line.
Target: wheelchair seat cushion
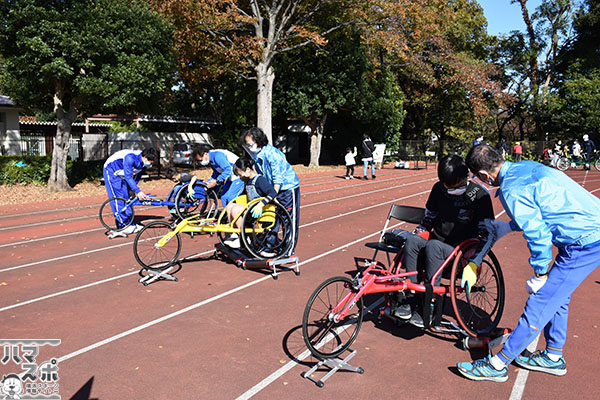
[(396, 237)]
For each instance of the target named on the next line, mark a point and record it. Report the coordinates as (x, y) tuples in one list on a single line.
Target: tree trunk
[(316, 136), (58, 181), (264, 98)]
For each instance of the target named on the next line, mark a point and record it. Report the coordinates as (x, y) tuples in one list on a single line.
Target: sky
[(504, 17)]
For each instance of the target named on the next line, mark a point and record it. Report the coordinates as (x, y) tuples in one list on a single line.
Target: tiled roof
[(38, 123)]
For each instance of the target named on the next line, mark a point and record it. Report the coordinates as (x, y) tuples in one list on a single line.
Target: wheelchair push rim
[(272, 232), (480, 310), (205, 202)]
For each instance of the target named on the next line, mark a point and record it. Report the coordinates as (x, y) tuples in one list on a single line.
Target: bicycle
[(117, 213), (334, 312), (158, 244), (564, 163)]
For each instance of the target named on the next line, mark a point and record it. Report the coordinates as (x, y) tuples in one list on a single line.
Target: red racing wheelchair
[(334, 312)]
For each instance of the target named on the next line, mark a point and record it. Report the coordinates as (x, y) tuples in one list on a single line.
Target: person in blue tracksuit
[(551, 209), (271, 163), (221, 162), (122, 171)]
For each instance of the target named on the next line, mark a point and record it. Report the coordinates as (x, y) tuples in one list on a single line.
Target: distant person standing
[(367, 148), (589, 148), (576, 149), (350, 162), (518, 150)]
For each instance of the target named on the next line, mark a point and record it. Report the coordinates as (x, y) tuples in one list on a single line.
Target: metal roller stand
[(154, 275), (114, 234), (334, 364)]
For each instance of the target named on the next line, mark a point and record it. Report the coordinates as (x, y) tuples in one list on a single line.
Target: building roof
[(6, 101)]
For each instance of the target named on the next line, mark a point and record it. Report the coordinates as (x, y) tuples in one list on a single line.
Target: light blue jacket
[(549, 207), (271, 163)]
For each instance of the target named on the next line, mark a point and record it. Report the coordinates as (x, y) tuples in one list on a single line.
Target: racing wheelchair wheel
[(107, 218), (478, 311), (563, 164), (597, 164), (147, 254), (204, 203), (271, 232), (325, 335)]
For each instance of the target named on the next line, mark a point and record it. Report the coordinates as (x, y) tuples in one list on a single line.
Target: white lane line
[(200, 304), (75, 289), (50, 237), (364, 184), (519, 386), (108, 279), (304, 206), (127, 243), (47, 211), (296, 361)]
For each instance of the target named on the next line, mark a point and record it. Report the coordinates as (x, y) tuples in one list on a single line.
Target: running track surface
[(224, 333)]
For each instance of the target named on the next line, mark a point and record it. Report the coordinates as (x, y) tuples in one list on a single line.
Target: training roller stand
[(334, 365), (243, 261), (154, 275), (114, 234)]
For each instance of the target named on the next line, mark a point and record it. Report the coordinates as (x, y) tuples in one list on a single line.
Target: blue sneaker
[(539, 361), (482, 370)]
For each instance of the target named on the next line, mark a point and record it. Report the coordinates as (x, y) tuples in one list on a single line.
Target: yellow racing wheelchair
[(158, 244)]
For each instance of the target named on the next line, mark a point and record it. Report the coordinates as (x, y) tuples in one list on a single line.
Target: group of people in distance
[(367, 148), (547, 206), (264, 172)]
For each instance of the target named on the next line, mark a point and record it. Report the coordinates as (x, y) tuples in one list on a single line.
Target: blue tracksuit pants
[(548, 308), (231, 190), (117, 187)]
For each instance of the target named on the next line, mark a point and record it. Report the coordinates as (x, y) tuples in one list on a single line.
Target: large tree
[(320, 82), (78, 57), (244, 37)]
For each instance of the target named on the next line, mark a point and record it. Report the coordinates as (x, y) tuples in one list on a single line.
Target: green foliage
[(106, 55), (37, 170)]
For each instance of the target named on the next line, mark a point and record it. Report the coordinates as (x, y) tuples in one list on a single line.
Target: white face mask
[(252, 147), (147, 164), (205, 162), (459, 191)]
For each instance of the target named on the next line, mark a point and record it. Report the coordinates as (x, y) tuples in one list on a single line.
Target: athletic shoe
[(403, 311), (132, 229), (347, 177), (539, 361), (351, 177), (365, 178), (482, 370), (373, 177), (233, 242), (267, 254), (416, 320)]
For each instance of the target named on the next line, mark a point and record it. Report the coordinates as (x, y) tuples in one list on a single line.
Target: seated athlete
[(180, 179), (256, 186), (457, 209)]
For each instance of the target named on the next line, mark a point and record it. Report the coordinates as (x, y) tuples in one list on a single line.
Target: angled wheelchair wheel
[(204, 203), (271, 233), (325, 335), (597, 164), (107, 218), (563, 164), (480, 310), (146, 250)]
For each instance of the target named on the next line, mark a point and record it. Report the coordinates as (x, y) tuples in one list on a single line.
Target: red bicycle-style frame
[(334, 312)]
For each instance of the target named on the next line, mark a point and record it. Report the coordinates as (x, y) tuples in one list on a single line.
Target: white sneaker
[(347, 177), (351, 177), (267, 254), (234, 243), (132, 229)]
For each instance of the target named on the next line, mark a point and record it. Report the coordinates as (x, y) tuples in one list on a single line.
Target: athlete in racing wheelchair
[(457, 209)]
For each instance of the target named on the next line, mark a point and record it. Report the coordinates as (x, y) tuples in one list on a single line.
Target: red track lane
[(225, 347)]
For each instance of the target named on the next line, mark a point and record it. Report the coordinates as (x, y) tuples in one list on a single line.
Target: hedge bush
[(37, 170)]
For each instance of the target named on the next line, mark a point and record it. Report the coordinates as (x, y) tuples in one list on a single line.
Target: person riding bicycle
[(122, 171), (256, 186), (589, 148), (457, 209), (271, 162), (221, 162)]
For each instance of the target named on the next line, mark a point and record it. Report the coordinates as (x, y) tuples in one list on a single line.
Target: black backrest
[(410, 214)]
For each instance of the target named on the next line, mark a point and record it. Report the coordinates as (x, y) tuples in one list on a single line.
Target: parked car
[(182, 154)]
